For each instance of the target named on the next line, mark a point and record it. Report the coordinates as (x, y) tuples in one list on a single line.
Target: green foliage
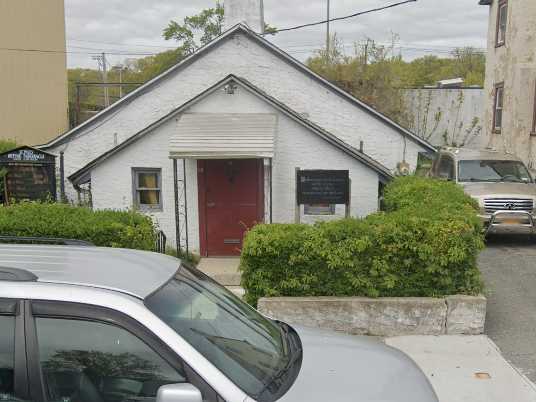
[(190, 258), (375, 73), (7, 145), (426, 245), (134, 71), (208, 24), (194, 32), (103, 228)]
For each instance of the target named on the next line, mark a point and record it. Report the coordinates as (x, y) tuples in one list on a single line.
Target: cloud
[(424, 27)]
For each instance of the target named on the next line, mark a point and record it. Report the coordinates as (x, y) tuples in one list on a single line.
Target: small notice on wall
[(323, 187)]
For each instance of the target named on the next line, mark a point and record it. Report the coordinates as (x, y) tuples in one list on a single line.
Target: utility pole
[(105, 80), (366, 51), (101, 59), (328, 34), (120, 82), (119, 68)]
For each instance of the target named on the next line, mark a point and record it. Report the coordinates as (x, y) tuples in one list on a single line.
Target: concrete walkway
[(466, 368)]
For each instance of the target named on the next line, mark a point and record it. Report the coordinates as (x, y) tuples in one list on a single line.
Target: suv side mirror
[(178, 393)]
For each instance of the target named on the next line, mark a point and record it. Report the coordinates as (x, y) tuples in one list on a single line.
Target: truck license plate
[(511, 221)]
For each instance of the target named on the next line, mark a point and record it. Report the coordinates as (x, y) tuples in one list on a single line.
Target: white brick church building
[(212, 146)]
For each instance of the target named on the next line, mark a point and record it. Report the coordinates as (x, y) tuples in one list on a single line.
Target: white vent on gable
[(248, 12)]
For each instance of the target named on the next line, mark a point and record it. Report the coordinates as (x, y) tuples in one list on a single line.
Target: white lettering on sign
[(25, 155)]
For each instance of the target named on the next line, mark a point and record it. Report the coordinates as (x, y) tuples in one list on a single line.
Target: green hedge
[(425, 245), (102, 228)]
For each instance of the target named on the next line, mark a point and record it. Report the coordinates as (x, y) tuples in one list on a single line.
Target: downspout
[(177, 211), (271, 191), (62, 177), (185, 206)]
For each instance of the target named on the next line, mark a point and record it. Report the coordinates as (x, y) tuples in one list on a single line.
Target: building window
[(319, 209), (498, 108), (147, 184), (502, 22)]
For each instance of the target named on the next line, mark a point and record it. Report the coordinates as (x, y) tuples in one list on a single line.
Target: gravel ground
[(509, 269)]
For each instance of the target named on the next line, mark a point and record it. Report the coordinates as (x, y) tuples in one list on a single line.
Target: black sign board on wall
[(323, 187), (30, 175)]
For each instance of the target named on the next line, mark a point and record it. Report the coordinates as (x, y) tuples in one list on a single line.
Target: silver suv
[(501, 183), (88, 324)]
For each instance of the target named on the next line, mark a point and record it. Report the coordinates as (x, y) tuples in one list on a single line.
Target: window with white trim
[(319, 209), (147, 188), (502, 22), (498, 108)]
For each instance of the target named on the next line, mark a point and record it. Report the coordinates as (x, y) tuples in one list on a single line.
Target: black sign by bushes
[(28, 174), (323, 187)]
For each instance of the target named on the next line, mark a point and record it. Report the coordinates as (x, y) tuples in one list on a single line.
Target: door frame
[(202, 200), (15, 308)]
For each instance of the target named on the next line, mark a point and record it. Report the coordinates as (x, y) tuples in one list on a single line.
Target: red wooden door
[(231, 201)]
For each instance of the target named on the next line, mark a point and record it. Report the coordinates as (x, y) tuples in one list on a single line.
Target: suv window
[(85, 361), (445, 168), (7, 356)]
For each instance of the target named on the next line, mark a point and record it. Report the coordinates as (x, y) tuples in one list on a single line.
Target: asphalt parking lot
[(508, 266)]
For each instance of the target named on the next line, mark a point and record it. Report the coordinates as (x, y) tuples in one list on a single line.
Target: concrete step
[(237, 290), (222, 270)]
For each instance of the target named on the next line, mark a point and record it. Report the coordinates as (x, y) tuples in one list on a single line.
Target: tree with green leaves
[(208, 24), (375, 73)]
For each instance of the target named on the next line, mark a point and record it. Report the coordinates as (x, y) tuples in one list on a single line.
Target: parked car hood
[(341, 368), (500, 190)]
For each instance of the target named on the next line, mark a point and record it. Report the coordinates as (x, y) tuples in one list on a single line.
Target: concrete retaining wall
[(453, 315)]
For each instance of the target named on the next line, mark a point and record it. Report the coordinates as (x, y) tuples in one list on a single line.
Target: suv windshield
[(260, 356), (493, 171)]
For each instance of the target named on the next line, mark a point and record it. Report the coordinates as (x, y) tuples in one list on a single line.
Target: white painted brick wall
[(247, 59), (295, 147)]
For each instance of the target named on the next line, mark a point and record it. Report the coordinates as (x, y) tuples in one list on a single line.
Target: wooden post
[(185, 206), (349, 205)]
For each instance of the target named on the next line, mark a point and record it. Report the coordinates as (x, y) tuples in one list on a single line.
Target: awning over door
[(222, 136)]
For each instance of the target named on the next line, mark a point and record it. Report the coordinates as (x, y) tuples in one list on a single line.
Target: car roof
[(475, 154), (138, 273)]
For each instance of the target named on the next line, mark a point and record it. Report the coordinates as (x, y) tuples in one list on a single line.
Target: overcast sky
[(133, 28)]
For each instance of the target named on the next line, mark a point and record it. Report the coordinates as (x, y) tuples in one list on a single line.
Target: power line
[(48, 51), (120, 44), (312, 24)]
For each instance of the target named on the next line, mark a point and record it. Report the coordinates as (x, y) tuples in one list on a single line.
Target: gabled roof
[(83, 174), (240, 28), (27, 147)]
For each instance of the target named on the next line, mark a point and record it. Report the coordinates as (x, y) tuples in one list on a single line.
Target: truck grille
[(511, 204)]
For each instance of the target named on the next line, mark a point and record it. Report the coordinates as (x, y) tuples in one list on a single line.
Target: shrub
[(426, 245), (7, 145), (102, 228)]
